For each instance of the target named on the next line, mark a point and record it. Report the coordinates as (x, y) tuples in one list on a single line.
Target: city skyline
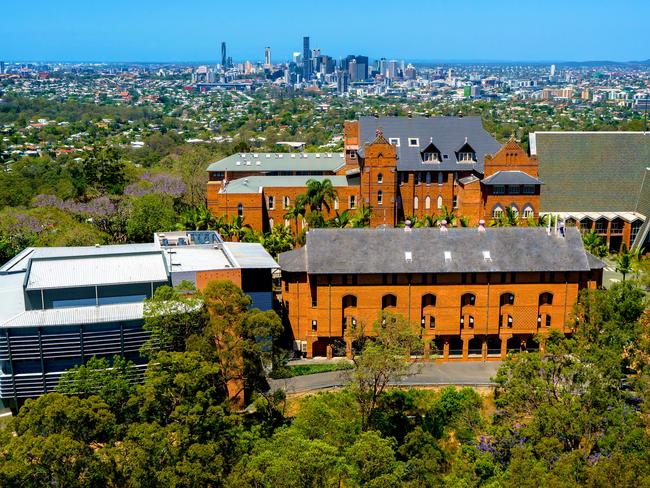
[(160, 32)]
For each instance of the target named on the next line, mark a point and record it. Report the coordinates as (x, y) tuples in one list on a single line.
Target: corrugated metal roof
[(12, 298), (251, 255), (254, 184), (196, 258), (67, 272), (263, 162), (78, 315)]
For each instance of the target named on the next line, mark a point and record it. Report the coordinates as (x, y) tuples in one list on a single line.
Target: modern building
[(473, 293), (306, 59), (224, 57), (267, 57), (61, 306), (597, 181), (398, 167)]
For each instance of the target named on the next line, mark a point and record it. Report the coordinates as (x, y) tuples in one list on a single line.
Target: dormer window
[(431, 157), (414, 142), (394, 141), (466, 157)]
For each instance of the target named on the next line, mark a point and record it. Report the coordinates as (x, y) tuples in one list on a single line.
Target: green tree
[(297, 210), (279, 240), (624, 261), (150, 214), (320, 194), (594, 244)]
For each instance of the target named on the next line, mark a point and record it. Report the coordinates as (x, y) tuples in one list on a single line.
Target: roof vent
[(481, 225), (318, 155), (243, 155), (486, 256), (443, 226), (407, 226), (248, 163), (238, 163), (97, 245), (246, 181), (448, 256), (280, 155), (293, 156), (258, 163), (408, 255), (268, 156)]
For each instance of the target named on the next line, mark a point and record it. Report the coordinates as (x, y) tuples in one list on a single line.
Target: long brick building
[(398, 167), (475, 292)]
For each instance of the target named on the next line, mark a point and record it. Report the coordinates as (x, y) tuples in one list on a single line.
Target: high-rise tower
[(267, 57), (306, 59), (224, 58)]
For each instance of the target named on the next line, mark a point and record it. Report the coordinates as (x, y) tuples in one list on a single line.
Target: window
[(414, 142), (314, 325), (471, 321), (455, 201), (616, 227), (416, 203), (505, 318), (404, 177), (507, 299), (350, 279), (427, 202), (380, 197), (428, 177), (286, 202), (271, 202), (529, 189), (528, 212), (349, 301), (439, 202), (432, 322), (601, 226), (466, 157), (240, 209), (388, 301), (314, 299), (497, 213), (380, 178), (431, 157), (286, 285), (515, 210), (514, 189), (510, 321), (287, 223), (468, 299), (336, 203), (394, 141), (428, 300), (440, 178), (416, 176), (634, 231), (271, 223), (353, 202), (498, 190), (548, 320), (545, 299)]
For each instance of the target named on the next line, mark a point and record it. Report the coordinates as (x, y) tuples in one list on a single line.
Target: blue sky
[(191, 30)]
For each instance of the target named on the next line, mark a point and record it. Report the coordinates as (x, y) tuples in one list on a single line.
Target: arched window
[(271, 223), (271, 201), (286, 202), (349, 301), (388, 301), (440, 178), (432, 322), (428, 300), (240, 209), (427, 202), (380, 197), (336, 203), (287, 223), (380, 178), (528, 212), (471, 321), (416, 203), (507, 299), (428, 177), (467, 299), (439, 202), (497, 212), (515, 210), (545, 299)]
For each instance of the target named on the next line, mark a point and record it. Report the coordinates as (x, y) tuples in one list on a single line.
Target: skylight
[(447, 256)]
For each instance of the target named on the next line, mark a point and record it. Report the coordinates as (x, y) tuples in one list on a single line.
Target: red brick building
[(473, 293), (399, 167)]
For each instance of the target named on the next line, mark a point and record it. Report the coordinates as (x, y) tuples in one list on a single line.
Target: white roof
[(78, 315), (627, 216), (96, 270), (12, 298), (196, 258), (250, 255)]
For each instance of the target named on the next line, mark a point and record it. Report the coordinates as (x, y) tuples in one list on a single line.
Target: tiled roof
[(448, 134), (430, 250)]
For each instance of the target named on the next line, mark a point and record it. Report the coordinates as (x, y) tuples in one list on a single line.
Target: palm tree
[(236, 229), (320, 193), (594, 244), (340, 220), (297, 210), (508, 218), (429, 221), (361, 217)]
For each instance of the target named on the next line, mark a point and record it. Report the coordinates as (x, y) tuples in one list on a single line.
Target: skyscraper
[(306, 59), (552, 74), (2, 67), (224, 58), (267, 57)]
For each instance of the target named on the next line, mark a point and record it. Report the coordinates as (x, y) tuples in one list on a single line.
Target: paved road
[(460, 373)]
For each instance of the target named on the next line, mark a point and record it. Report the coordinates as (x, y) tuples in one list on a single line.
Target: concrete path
[(428, 374)]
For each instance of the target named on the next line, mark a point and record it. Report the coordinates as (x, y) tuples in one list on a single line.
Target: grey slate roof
[(264, 162), (511, 178), (446, 133), (366, 251)]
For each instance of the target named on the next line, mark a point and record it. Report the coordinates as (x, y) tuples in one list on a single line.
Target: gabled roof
[(511, 178), (446, 133), (378, 251)]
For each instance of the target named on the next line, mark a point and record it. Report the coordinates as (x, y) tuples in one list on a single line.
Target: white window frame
[(380, 197), (414, 142), (352, 202), (427, 202), (394, 141), (528, 212), (497, 212), (270, 200)]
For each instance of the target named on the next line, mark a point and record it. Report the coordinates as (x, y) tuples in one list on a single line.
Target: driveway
[(426, 374)]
